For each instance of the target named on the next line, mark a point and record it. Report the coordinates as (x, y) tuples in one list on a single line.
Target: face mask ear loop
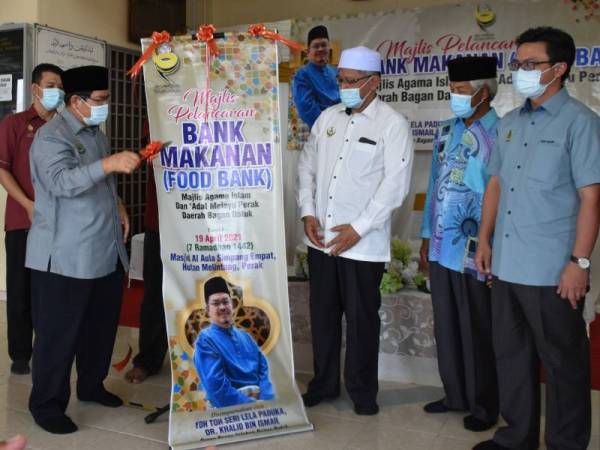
[(363, 85), (553, 79), (480, 102), (79, 112)]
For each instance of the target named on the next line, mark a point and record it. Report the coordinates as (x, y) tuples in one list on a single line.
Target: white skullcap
[(360, 58)]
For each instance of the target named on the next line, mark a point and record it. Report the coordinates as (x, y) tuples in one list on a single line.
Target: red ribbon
[(206, 34), (151, 150), (123, 363), (157, 40), (260, 30)]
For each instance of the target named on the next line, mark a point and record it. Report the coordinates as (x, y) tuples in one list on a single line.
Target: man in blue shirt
[(315, 87), (460, 297), (542, 207), (231, 367)]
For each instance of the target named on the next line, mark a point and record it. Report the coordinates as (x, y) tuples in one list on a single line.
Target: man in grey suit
[(76, 251)]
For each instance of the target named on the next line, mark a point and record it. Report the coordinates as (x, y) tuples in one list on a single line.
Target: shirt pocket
[(362, 157), (548, 166)]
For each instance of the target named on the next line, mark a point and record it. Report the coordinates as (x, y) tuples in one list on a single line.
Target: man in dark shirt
[(16, 136), (153, 333)]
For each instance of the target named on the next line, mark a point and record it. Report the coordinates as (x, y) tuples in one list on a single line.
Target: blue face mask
[(527, 83), (98, 115), (51, 98), (351, 96), (461, 105)]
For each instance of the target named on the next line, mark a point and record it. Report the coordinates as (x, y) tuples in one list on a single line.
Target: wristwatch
[(582, 263)]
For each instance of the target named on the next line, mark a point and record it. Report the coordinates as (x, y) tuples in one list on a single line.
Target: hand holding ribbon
[(151, 151), (260, 30), (157, 40)]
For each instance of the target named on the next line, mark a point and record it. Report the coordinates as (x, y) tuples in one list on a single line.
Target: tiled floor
[(401, 424)]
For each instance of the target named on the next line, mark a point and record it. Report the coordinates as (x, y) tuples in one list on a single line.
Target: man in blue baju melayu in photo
[(231, 367)]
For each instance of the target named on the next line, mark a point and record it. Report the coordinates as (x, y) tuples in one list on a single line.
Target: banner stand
[(213, 110)]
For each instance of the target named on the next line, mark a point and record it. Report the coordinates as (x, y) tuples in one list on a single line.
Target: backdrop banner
[(416, 45)]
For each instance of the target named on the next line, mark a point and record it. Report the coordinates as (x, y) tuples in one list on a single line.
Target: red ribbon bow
[(157, 40), (206, 34), (151, 150), (260, 30)]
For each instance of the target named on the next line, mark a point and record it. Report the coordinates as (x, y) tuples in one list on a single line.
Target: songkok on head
[(85, 79), (472, 68), (216, 285), (318, 32), (360, 58)]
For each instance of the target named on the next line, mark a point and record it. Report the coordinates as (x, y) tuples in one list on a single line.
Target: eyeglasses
[(98, 101), (526, 65), (341, 80), (218, 303)]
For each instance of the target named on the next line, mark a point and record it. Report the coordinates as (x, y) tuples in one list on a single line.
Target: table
[(407, 352)]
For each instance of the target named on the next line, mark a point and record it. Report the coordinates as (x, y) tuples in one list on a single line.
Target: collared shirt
[(543, 157), (76, 229), (16, 136), (458, 178), (355, 169), (314, 89), (228, 359)]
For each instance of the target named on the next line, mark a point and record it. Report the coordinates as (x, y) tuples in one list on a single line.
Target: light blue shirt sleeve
[(585, 151), (426, 224), (60, 171), (495, 162)]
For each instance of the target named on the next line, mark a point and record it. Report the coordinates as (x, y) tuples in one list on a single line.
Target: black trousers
[(463, 334), (532, 323), (341, 286), (18, 297), (153, 332), (73, 318)]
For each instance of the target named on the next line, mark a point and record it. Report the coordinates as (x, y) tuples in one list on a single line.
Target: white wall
[(102, 19), (18, 11), (235, 12)]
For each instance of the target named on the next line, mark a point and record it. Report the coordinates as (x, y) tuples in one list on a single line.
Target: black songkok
[(85, 79), (317, 32), (215, 285), (472, 68)]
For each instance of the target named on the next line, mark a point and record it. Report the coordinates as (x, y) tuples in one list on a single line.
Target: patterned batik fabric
[(454, 198)]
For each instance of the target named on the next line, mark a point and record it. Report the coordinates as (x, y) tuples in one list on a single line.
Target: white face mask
[(460, 104), (51, 98), (98, 114), (527, 82), (351, 96)]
